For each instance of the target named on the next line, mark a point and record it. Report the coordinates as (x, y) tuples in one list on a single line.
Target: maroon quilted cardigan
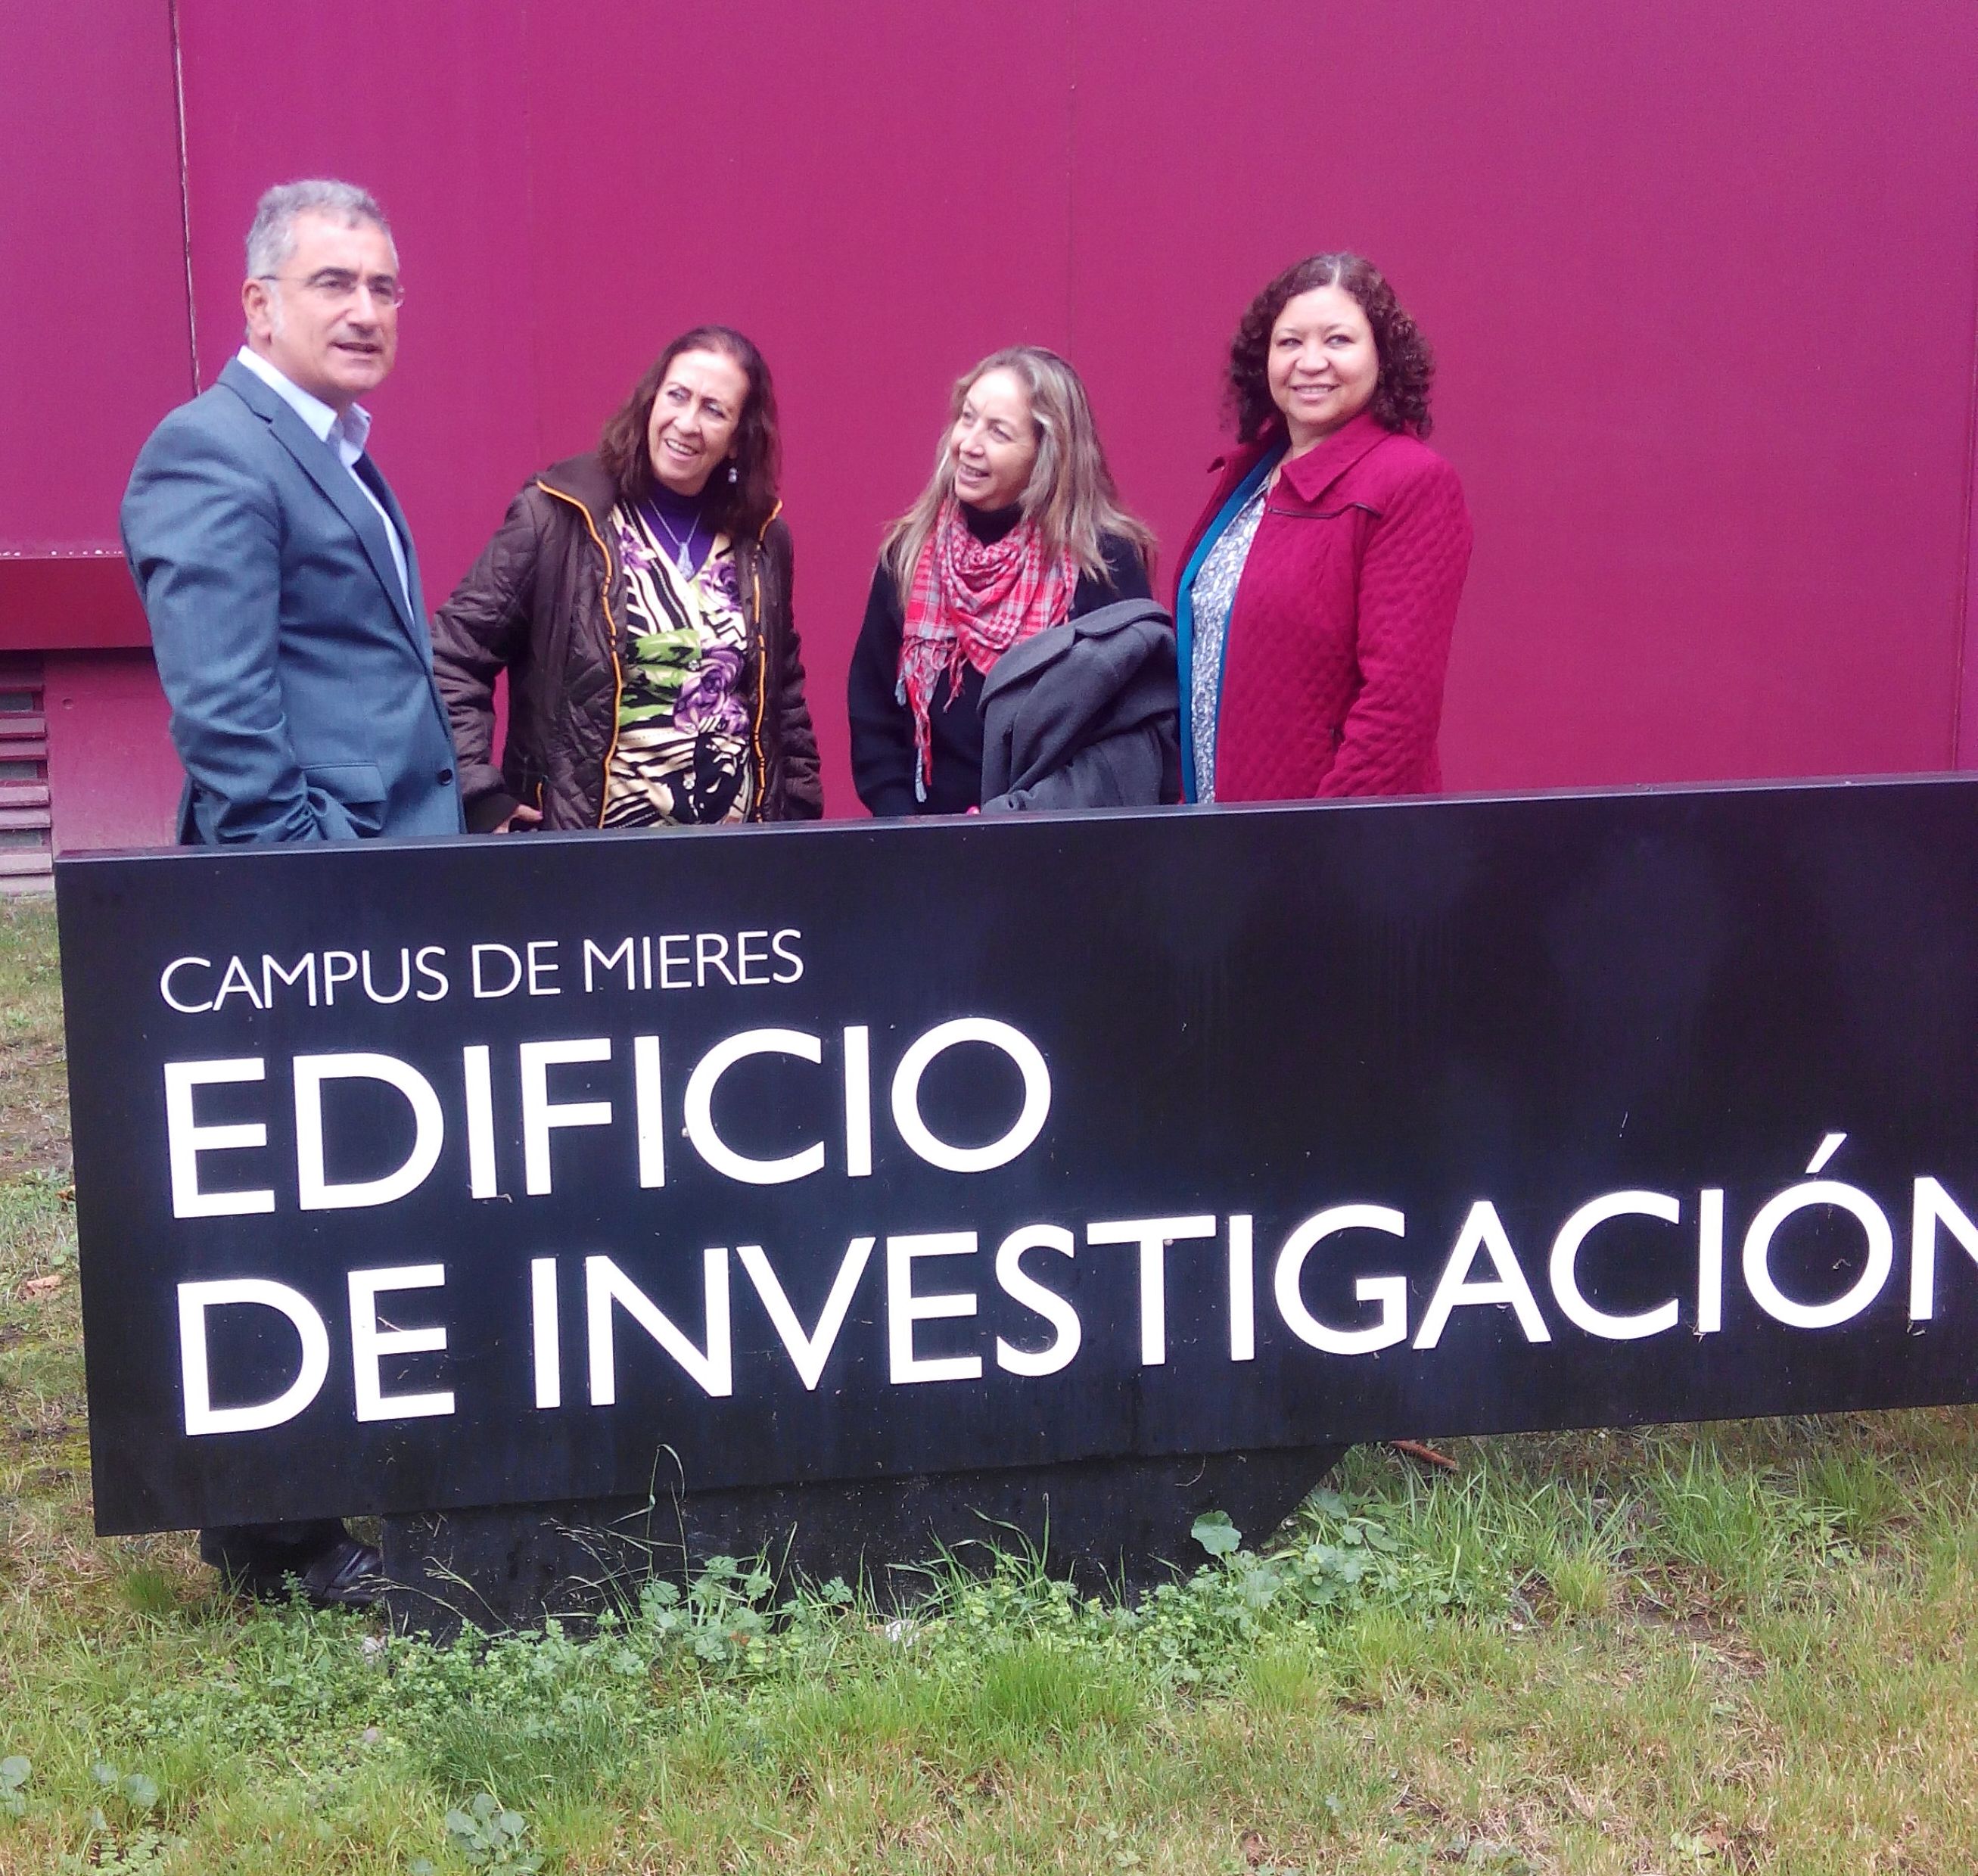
[(1339, 638)]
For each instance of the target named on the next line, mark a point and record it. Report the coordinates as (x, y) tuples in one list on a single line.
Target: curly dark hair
[(1407, 366), (738, 507)]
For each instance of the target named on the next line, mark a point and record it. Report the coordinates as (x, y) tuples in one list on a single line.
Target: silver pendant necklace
[(683, 559)]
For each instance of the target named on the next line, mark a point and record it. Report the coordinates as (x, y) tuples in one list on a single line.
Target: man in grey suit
[(275, 564), (278, 576)]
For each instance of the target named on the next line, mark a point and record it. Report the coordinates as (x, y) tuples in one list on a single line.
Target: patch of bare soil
[(34, 1109)]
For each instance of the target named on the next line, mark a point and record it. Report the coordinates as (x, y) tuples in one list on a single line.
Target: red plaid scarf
[(970, 602)]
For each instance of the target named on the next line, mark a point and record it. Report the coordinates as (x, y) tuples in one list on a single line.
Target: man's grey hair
[(272, 239)]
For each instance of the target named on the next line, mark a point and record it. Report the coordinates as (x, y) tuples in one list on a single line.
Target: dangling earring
[(734, 475)]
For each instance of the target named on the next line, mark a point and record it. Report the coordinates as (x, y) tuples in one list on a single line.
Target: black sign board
[(427, 1175)]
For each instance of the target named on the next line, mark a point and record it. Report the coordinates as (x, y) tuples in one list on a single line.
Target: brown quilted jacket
[(545, 603)]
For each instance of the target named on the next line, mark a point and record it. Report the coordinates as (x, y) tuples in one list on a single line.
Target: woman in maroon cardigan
[(1317, 592)]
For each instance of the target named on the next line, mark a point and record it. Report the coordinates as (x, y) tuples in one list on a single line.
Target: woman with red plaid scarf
[(1019, 531)]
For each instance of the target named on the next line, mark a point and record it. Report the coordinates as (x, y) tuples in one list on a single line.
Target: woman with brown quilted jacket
[(639, 599)]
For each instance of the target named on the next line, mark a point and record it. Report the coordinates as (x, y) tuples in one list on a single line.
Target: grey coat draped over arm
[(1086, 715)]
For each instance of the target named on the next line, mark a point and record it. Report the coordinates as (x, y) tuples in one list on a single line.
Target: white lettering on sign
[(770, 1105), (546, 1331), (1023, 1130), (1934, 1206), (541, 1116), (1066, 1333), (1390, 1293), (370, 1339), (197, 985), (808, 1351), (190, 986), (1881, 1247), (1154, 1235), (1026, 1256), (195, 1299), (712, 1369), (315, 1191), (1565, 1273), (706, 1077), (905, 1308), (481, 1106), (186, 1139), (1482, 1230)]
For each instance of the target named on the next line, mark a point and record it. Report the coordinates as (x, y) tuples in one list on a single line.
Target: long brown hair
[(1070, 496), (740, 508)]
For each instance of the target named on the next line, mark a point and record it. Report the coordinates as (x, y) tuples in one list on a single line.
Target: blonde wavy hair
[(1070, 496)]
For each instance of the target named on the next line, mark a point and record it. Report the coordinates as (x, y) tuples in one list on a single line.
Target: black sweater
[(882, 727)]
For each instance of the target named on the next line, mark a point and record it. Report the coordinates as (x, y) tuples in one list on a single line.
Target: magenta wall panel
[(811, 175), (113, 776), (1702, 281), (95, 261), (426, 105), (71, 601)]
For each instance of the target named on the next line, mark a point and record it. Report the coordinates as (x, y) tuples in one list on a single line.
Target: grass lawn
[(1735, 1648)]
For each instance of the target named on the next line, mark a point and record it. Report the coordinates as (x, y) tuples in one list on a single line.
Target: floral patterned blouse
[(1214, 593), (685, 754)]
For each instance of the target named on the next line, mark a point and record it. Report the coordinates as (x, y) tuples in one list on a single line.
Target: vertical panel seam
[(1071, 179), (185, 193), (1969, 524), (538, 339)]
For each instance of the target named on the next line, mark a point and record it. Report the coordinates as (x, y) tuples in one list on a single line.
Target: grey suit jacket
[(301, 685)]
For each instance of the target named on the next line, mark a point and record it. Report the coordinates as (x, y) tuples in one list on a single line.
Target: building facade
[(1703, 285)]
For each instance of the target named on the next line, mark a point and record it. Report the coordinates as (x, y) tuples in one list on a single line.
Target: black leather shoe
[(346, 1574)]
